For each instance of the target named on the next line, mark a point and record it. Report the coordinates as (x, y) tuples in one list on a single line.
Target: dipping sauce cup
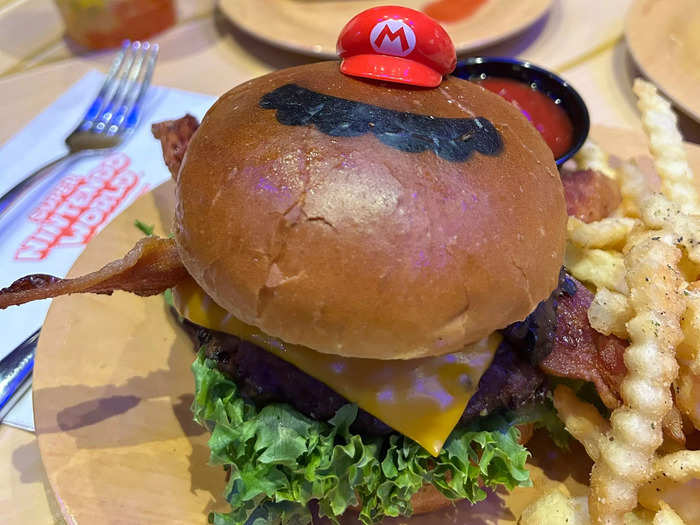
[(549, 102)]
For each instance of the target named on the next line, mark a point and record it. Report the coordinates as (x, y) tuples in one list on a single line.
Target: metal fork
[(111, 117)]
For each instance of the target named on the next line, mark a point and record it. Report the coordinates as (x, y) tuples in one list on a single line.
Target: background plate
[(664, 40), (312, 27), (112, 391)]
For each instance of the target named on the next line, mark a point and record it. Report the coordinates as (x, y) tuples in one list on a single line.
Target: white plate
[(311, 27), (664, 40)]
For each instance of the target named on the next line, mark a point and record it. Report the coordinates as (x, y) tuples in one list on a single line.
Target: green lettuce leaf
[(147, 229), (542, 415), (279, 459), (168, 297)]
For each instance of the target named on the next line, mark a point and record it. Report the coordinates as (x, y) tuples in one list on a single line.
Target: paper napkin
[(49, 230)]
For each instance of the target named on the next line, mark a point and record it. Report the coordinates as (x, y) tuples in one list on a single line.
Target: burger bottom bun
[(428, 499)]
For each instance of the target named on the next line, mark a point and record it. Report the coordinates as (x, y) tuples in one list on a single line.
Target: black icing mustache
[(453, 139)]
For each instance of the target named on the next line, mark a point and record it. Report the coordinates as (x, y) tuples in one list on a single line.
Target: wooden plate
[(112, 391), (311, 27), (664, 40)]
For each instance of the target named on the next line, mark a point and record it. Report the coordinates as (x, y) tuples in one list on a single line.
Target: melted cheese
[(420, 398)]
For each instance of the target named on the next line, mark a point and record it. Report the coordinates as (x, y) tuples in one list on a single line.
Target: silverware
[(15, 368), (111, 117)]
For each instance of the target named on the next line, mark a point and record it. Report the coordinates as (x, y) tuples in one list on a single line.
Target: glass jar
[(100, 24)]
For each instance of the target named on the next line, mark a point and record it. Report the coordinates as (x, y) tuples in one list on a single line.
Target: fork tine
[(134, 107), (131, 87), (123, 90), (94, 110), (119, 87)]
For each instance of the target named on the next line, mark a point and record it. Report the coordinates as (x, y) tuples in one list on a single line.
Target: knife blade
[(15, 368)]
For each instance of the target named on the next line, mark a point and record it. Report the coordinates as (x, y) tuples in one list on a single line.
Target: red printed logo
[(77, 207), (392, 37)]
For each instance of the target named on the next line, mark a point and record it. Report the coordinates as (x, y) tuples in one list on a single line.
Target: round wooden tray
[(112, 395)]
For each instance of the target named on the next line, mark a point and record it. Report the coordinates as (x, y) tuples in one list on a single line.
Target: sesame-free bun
[(429, 499), (350, 246)]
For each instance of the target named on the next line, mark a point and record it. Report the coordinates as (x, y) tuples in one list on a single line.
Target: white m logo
[(392, 37)]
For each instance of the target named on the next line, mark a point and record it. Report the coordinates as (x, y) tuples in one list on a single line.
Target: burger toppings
[(512, 379), (580, 352), (174, 136), (509, 383), (420, 398), (453, 139), (279, 459), (396, 44), (150, 267), (590, 195), (535, 335), (264, 378)]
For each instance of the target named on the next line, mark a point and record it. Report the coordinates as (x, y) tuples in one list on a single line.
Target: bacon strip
[(580, 352), (151, 266), (174, 136), (590, 195)]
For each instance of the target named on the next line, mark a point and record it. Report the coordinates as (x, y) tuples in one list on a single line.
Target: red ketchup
[(547, 116)]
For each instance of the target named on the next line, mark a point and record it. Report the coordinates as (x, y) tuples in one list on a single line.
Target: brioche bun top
[(349, 245)]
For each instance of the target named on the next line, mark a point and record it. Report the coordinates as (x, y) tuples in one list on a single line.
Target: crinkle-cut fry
[(149, 268), (679, 466), (688, 395), (676, 482), (688, 354), (689, 350), (554, 508), (602, 268), (690, 269), (666, 146), (682, 495), (626, 455), (582, 420), (592, 157), (683, 229), (609, 313), (659, 212), (639, 516), (667, 516), (634, 188), (610, 232)]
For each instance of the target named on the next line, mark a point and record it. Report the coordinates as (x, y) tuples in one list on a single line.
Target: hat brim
[(391, 69)]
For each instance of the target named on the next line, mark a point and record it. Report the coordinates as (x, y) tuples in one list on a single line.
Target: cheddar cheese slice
[(421, 398)]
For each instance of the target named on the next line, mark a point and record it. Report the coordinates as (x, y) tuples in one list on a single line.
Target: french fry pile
[(644, 265)]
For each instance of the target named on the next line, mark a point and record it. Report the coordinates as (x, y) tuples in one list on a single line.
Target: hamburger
[(371, 273), (383, 274)]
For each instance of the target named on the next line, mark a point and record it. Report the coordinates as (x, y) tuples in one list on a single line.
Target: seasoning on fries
[(658, 310)]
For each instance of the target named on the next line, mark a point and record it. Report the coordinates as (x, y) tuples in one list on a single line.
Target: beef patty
[(510, 381)]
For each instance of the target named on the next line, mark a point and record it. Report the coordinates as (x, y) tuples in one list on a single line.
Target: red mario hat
[(396, 44)]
